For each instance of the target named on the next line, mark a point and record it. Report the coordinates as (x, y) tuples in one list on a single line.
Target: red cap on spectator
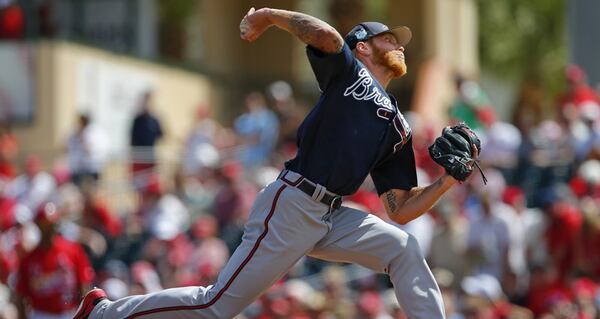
[(153, 186), (578, 186), (584, 286), (61, 174), (487, 116), (512, 194)]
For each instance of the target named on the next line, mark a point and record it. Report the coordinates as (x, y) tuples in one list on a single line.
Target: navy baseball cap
[(366, 30)]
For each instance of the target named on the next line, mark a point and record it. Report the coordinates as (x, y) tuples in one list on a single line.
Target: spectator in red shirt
[(97, 215), (52, 277), (7, 210), (9, 147), (562, 236), (578, 94)]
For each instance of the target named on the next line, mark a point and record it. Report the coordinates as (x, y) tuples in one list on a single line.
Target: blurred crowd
[(526, 245)]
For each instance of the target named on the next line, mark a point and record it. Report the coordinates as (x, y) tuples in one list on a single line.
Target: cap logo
[(361, 34)]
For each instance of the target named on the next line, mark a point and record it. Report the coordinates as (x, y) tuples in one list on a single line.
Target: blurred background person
[(337, 293), (206, 254), (145, 132), (231, 202), (33, 187), (53, 276), (471, 105), (577, 96), (87, 151), (96, 214), (258, 129), (162, 215), (289, 110), (488, 240), (449, 240), (201, 149)]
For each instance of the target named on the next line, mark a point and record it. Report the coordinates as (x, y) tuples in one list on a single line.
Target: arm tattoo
[(301, 26), (391, 200), (315, 32)]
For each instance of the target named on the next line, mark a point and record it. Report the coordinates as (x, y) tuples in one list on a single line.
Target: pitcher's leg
[(365, 239), (280, 231)]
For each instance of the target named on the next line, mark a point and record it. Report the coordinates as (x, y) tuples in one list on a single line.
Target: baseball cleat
[(90, 300)]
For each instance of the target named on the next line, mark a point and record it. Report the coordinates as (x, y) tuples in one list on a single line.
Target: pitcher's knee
[(413, 246), (402, 240), (407, 248)]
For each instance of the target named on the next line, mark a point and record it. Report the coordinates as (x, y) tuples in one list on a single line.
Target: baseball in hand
[(244, 27)]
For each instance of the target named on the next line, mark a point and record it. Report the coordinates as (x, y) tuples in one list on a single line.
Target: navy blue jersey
[(354, 129)]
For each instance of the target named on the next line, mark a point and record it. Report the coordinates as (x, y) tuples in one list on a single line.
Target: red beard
[(393, 60)]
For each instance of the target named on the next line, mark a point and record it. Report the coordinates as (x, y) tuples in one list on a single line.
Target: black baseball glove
[(456, 150)]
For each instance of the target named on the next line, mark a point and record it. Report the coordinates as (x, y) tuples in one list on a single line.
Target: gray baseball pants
[(284, 225)]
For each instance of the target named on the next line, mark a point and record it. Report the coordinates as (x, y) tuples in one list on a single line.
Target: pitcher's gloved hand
[(457, 150)]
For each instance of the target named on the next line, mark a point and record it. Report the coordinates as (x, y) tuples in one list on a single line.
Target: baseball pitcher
[(355, 129)]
